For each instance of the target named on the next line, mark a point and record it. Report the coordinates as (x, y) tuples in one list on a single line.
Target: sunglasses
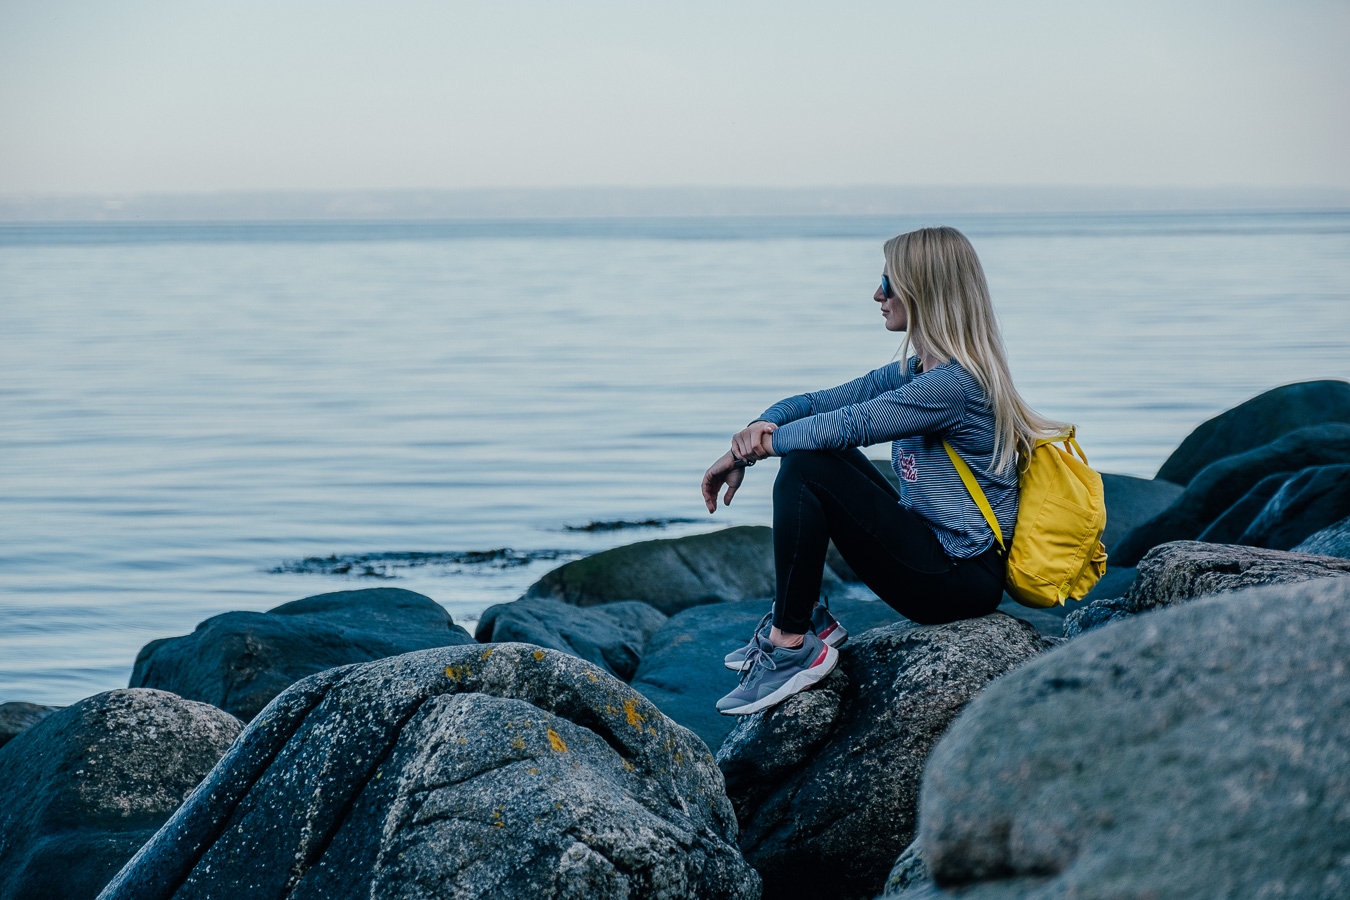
[(886, 290)]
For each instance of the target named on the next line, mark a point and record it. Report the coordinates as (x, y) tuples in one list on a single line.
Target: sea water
[(190, 411)]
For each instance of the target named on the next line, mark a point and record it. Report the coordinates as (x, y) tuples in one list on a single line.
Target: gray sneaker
[(824, 625), (776, 673)]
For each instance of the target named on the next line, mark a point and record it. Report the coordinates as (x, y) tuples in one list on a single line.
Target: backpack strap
[(976, 493)]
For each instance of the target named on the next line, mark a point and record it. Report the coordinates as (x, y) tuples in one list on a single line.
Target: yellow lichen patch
[(635, 718), (486, 653), (463, 740), (539, 654), (628, 766), (679, 758), (534, 771), (497, 818), (455, 673), (556, 742), (518, 743), (591, 676)]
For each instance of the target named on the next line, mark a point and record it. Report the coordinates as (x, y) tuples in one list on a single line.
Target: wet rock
[(611, 636), (908, 872), (1184, 570), (81, 790), (493, 771), (1308, 502), (1201, 751), (1131, 502), (17, 716), (1221, 484), (1230, 525), (672, 574), (826, 783), (239, 661), (1259, 421), (1334, 540), (682, 671)]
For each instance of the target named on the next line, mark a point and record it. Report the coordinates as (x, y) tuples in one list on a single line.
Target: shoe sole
[(833, 637), (796, 684)]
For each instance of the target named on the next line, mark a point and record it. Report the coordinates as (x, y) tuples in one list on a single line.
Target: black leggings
[(828, 494)]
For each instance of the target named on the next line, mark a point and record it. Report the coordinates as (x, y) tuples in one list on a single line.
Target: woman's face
[(891, 307)]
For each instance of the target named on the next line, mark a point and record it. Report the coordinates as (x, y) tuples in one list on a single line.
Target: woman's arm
[(724, 471), (934, 403), (875, 383)]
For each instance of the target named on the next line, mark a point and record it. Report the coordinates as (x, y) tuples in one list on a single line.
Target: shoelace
[(757, 657)]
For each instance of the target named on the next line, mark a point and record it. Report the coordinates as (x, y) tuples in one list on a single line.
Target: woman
[(926, 549)]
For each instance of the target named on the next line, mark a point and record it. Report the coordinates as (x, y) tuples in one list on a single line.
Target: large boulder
[(1258, 421), (1221, 484), (826, 783), (1130, 502), (239, 661), (85, 787), (672, 574), (493, 771), (682, 671), (611, 636), (17, 716), (1199, 751), (1334, 540), (1184, 570), (1305, 504), (1233, 521)]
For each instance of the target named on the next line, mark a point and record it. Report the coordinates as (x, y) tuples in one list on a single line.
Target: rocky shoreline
[(1182, 732)]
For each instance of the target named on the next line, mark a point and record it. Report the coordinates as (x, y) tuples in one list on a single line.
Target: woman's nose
[(878, 295)]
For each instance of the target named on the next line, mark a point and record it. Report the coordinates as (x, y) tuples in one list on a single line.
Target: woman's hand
[(755, 441), (724, 471)]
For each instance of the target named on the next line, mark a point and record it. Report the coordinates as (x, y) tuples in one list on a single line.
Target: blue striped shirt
[(916, 412)]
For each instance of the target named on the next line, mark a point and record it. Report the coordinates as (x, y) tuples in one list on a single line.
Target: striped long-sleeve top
[(916, 411)]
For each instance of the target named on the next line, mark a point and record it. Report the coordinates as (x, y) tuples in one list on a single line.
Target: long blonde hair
[(938, 277)]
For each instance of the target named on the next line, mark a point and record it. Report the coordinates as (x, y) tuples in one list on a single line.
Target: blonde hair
[(938, 278)]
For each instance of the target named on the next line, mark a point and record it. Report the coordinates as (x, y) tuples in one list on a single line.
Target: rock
[(1334, 540), (672, 574), (611, 636), (826, 783), (1230, 525), (17, 716), (682, 671), (1259, 421), (1310, 501), (82, 789), (239, 661), (1047, 621), (1221, 484), (908, 872), (1201, 751), (1131, 502), (1184, 570), (496, 771)]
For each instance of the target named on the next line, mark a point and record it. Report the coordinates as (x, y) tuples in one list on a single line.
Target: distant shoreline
[(648, 202)]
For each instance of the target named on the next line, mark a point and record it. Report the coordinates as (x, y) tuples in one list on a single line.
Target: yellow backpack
[(1057, 552)]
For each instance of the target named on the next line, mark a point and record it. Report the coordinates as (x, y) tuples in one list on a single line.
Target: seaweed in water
[(387, 565), (617, 524)]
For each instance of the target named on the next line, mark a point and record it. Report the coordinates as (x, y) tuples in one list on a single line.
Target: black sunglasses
[(886, 287)]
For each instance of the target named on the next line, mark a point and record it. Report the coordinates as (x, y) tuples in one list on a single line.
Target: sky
[(186, 96)]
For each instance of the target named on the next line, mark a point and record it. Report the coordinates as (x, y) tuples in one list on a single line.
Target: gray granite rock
[(483, 771), (826, 783), (17, 716), (1184, 570), (1221, 484), (1334, 540), (1311, 500), (1131, 502), (1258, 421), (673, 574), (82, 789), (612, 636), (682, 671), (239, 661), (1200, 751), (908, 873)]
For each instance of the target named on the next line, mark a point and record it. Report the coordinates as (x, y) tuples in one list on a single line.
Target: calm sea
[(188, 410)]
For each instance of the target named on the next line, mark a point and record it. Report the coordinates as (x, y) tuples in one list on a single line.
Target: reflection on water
[(187, 408)]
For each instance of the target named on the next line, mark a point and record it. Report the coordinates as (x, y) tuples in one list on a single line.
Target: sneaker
[(776, 673), (824, 625)]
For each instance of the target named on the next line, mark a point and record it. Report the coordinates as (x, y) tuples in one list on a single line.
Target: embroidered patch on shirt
[(909, 469)]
